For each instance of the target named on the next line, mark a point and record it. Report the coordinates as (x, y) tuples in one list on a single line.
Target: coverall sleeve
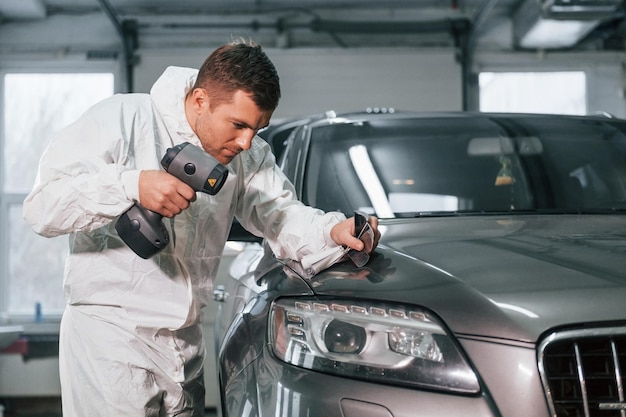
[(269, 207), (83, 182)]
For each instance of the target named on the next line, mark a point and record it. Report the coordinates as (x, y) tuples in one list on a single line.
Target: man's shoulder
[(258, 157), (125, 100), (259, 149), (122, 103), (127, 109)]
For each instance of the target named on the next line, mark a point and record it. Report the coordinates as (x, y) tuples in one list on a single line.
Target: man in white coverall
[(131, 341)]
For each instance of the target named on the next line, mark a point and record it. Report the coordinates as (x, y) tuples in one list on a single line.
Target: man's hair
[(240, 65)]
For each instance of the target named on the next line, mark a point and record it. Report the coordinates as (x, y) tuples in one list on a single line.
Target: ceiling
[(487, 24)]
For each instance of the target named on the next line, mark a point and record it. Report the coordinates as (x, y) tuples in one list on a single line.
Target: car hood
[(510, 278)]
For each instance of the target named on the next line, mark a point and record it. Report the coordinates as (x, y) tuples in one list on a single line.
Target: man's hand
[(343, 234), (164, 193)]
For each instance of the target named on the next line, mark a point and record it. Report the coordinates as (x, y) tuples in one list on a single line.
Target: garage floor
[(43, 407), (209, 413)]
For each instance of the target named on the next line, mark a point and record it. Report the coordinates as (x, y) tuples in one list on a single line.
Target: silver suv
[(498, 287)]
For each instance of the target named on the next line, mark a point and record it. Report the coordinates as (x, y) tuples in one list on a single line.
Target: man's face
[(228, 128)]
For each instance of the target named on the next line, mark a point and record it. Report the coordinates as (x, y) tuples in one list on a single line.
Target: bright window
[(533, 92), (36, 106)]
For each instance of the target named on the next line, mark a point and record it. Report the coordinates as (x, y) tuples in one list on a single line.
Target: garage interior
[(340, 55)]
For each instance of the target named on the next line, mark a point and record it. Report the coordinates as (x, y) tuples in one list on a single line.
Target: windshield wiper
[(553, 211), (441, 213)]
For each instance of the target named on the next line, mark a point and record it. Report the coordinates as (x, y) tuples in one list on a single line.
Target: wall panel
[(314, 80)]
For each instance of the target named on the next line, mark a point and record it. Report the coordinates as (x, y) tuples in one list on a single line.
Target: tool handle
[(143, 231)]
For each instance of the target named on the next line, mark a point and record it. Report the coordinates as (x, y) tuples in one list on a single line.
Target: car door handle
[(220, 294)]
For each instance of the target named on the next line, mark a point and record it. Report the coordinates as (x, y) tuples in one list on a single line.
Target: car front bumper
[(270, 387)]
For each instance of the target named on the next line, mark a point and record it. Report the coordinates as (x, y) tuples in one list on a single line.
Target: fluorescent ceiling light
[(549, 33), (579, 9), (545, 24)]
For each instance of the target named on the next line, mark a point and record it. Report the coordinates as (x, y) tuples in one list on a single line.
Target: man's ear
[(199, 99)]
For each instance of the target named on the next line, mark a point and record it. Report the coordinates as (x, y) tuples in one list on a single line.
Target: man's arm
[(84, 180), (269, 208)]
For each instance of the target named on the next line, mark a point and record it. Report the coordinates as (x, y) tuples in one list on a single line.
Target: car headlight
[(386, 343)]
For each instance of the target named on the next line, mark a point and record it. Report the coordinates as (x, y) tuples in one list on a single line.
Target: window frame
[(603, 72), (537, 73), (70, 65)]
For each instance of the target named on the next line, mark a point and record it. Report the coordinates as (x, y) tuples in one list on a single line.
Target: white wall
[(315, 80)]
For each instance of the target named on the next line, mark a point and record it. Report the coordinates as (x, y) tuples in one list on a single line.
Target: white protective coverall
[(131, 341)]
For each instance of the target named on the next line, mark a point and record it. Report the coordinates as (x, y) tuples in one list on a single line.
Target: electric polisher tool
[(142, 229)]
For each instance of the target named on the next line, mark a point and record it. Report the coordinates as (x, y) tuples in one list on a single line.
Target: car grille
[(583, 372)]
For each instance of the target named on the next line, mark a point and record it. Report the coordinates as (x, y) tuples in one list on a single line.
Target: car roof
[(355, 117)]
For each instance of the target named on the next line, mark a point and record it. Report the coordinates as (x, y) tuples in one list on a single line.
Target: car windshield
[(426, 166)]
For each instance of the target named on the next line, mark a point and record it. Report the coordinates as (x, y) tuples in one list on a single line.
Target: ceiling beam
[(127, 31), (22, 9)]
